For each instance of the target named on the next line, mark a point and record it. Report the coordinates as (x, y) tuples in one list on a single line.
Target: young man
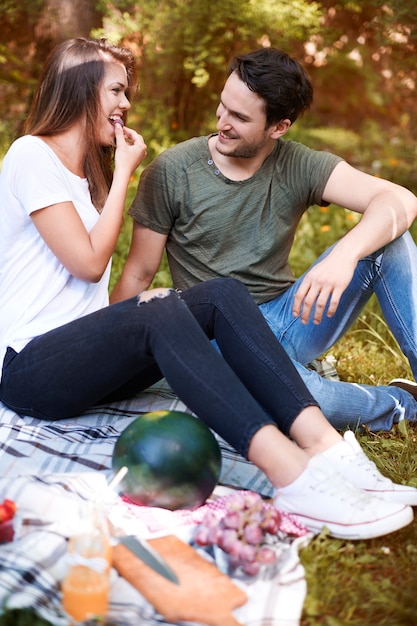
[(229, 205)]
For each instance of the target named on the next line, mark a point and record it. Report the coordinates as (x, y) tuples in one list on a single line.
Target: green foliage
[(30, 617), (361, 56), (12, 11), (396, 16), (319, 228), (22, 617), (185, 46)]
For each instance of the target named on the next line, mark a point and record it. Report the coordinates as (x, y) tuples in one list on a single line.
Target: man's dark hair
[(278, 79)]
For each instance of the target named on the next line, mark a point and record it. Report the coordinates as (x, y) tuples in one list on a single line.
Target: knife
[(141, 549)]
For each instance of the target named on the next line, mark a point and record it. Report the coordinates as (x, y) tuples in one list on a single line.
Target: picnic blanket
[(51, 468)]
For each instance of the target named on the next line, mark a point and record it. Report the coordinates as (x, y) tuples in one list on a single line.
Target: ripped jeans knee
[(152, 294)]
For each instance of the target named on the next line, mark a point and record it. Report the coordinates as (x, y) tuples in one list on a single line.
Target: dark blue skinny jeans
[(120, 350)]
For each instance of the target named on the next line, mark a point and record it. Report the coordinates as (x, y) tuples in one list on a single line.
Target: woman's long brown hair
[(69, 89)]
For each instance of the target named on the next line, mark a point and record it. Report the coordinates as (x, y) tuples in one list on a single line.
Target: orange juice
[(85, 593), (85, 589)]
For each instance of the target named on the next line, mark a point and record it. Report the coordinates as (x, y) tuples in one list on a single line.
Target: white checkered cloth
[(50, 468), (85, 443)]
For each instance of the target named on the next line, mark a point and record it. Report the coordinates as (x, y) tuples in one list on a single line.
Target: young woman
[(64, 349)]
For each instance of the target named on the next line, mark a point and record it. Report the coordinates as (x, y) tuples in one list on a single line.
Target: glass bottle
[(86, 586)]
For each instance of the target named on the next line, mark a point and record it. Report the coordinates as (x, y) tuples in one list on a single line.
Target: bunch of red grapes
[(246, 533)]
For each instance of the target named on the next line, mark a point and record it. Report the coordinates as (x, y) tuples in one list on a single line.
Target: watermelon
[(173, 460)]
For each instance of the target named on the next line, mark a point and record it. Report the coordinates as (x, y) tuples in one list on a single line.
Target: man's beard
[(244, 151)]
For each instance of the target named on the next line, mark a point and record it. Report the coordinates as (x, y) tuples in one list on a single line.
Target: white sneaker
[(320, 497), (348, 458)]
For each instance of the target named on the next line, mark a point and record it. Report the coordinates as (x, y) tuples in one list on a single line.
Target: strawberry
[(10, 506), (7, 510)]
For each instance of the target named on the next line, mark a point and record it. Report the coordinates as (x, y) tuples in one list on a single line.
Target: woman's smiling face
[(113, 100)]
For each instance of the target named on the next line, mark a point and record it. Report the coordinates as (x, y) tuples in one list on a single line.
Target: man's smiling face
[(241, 121)]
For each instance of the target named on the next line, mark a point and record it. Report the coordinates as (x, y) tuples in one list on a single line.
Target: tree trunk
[(63, 19)]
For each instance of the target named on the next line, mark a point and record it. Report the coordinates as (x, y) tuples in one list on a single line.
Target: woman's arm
[(86, 254)]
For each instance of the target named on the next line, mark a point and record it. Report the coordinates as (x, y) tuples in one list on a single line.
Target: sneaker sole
[(368, 530), (407, 385)]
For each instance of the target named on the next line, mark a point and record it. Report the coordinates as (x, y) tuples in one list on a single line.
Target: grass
[(368, 582), (365, 583), (361, 583)]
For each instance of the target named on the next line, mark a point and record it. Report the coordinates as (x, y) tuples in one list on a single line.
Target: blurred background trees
[(360, 55)]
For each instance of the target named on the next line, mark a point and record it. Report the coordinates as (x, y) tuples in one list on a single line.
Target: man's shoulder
[(185, 152), (292, 155), (287, 147), (290, 146), (303, 170)]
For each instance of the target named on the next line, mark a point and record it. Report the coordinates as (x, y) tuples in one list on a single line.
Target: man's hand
[(387, 212), (323, 285)]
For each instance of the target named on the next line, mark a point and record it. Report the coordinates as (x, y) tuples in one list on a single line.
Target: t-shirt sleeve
[(157, 195), (38, 181), (308, 172), (322, 171)]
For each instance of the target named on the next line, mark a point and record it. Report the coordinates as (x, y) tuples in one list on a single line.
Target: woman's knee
[(152, 294), (228, 288)]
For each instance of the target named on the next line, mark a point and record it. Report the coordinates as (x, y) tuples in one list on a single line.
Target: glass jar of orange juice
[(85, 589)]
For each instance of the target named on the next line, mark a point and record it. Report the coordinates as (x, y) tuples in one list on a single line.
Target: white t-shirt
[(37, 293)]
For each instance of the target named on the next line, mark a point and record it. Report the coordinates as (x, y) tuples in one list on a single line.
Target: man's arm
[(387, 209), (145, 254)]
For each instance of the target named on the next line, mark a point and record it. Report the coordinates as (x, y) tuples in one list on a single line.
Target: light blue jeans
[(390, 273)]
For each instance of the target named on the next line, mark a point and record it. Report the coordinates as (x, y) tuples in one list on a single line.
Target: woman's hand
[(86, 254), (130, 149)]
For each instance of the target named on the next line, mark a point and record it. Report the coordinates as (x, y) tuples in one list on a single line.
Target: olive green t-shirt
[(220, 227)]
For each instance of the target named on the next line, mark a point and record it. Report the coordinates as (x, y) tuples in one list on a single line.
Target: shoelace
[(363, 463), (358, 456), (331, 485)]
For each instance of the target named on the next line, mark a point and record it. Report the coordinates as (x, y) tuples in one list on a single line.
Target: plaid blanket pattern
[(51, 468), (32, 566), (85, 443)]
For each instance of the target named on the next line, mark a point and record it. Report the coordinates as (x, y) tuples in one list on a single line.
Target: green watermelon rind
[(155, 477)]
